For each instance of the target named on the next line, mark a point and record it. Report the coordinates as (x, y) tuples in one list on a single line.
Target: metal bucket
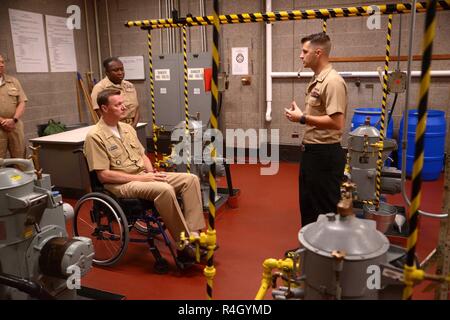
[(384, 217)]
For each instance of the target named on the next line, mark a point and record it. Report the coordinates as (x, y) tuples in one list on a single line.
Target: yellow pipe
[(206, 240), (412, 274), (268, 266)]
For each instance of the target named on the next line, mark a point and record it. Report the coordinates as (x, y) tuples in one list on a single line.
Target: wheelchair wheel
[(100, 218)]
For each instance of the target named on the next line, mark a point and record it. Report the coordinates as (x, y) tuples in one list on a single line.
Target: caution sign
[(195, 73), (162, 75)]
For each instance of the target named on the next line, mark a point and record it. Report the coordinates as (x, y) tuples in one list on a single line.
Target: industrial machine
[(363, 147), (194, 148), (362, 160), (169, 87), (342, 257), (38, 259)]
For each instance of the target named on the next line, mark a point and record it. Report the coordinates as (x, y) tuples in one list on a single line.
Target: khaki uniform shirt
[(105, 151), (127, 91), (11, 93), (326, 95)]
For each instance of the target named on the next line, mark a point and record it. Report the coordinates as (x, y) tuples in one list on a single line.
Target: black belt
[(320, 146)]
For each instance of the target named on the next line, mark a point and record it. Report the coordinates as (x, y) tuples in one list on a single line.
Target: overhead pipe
[(88, 38), (179, 31), (160, 30), (97, 31), (168, 35), (108, 26), (172, 30), (204, 43), (405, 112), (353, 74), (289, 15), (269, 72)]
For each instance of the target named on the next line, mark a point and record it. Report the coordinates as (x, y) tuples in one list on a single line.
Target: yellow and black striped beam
[(427, 47), (186, 100), (324, 25), (210, 270), (288, 15), (383, 113), (152, 95)]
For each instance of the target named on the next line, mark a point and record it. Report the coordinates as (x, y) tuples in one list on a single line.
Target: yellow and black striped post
[(186, 101), (152, 95), (210, 270), (427, 44), (324, 25), (383, 113), (289, 15)]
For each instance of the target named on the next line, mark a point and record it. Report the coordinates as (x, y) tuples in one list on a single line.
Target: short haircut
[(319, 39), (103, 96), (107, 61)]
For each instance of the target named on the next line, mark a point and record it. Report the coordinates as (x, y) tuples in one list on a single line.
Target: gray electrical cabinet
[(199, 100), (168, 75)]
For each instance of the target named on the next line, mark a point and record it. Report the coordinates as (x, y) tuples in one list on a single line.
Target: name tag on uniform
[(13, 92), (129, 88), (114, 147)]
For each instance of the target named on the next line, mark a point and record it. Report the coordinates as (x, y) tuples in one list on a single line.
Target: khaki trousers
[(13, 142), (164, 196)]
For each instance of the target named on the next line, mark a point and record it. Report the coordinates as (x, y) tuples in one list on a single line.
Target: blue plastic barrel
[(360, 115), (434, 144)]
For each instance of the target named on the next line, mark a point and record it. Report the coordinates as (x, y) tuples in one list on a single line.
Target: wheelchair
[(108, 221)]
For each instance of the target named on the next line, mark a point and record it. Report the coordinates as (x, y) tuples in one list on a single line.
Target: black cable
[(30, 287), (390, 113), (392, 109)]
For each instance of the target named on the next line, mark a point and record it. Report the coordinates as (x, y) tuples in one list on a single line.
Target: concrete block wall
[(50, 95), (53, 94)]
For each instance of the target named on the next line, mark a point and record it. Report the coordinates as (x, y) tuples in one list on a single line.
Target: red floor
[(264, 226)]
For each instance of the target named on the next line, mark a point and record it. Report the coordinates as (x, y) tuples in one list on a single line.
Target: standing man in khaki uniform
[(113, 150), (12, 107), (115, 80), (323, 160)]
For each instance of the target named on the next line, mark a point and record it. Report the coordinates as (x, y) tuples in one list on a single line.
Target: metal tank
[(38, 259), (338, 252), (363, 155)]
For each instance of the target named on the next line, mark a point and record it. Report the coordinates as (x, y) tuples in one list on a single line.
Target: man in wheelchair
[(113, 150)]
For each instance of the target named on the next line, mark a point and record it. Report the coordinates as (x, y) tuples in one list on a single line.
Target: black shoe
[(187, 253), (186, 258)]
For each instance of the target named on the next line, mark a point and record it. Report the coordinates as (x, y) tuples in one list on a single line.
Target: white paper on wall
[(239, 58), (61, 45), (134, 67), (27, 30)]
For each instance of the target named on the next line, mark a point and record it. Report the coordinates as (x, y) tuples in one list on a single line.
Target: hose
[(30, 287)]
